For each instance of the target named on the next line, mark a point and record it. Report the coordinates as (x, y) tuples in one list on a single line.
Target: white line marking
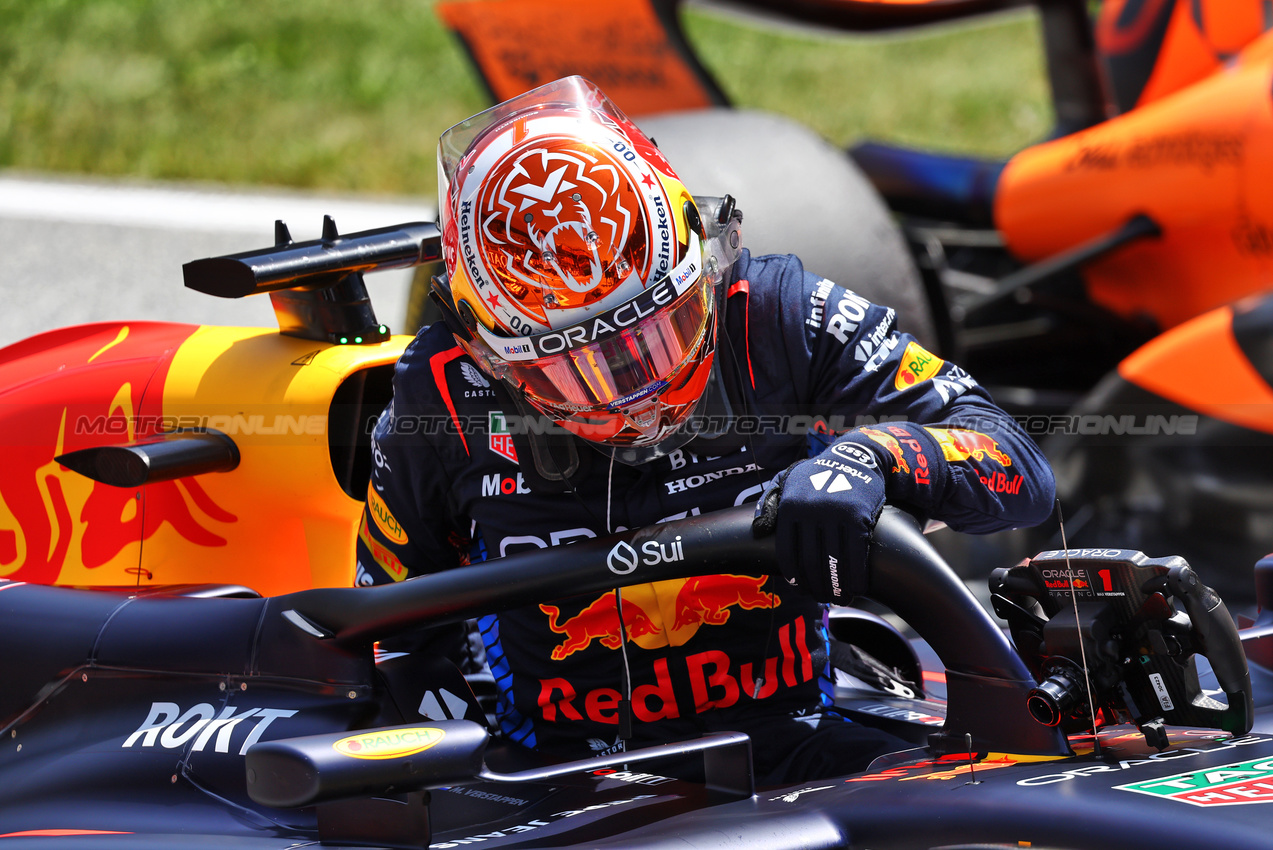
[(202, 210)]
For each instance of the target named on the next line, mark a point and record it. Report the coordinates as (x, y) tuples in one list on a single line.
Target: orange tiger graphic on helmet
[(561, 225)]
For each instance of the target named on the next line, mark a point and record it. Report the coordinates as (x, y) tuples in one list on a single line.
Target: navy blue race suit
[(723, 652)]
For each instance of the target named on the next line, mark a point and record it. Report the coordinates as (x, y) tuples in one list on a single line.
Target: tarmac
[(88, 250)]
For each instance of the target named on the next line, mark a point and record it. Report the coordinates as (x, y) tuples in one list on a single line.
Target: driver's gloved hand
[(822, 510)]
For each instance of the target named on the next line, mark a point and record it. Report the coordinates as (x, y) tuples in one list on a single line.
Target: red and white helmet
[(575, 259)]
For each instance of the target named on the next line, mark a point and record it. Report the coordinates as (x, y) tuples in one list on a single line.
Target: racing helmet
[(577, 266)]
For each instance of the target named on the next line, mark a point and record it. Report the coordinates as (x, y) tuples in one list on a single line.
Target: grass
[(979, 87), (332, 95)]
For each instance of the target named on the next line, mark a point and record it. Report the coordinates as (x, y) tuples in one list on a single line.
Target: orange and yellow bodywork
[(281, 521)]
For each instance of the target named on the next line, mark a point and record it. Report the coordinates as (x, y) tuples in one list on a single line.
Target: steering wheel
[(1101, 630)]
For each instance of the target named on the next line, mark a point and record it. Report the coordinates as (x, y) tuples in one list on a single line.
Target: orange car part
[(280, 521), (1198, 162), (621, 45), (1180, 41), (1200, 366)]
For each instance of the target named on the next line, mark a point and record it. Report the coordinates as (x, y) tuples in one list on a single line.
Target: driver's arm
[(912, 429)]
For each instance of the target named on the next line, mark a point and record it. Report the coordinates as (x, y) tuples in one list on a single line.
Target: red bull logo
[(687, 603), (947, 767), (50, 517), (892, 446), (599, 621), (958, 444), (707, 599), (716, 680)]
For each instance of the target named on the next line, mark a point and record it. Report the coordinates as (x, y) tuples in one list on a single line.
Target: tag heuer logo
[(1226, 785), (499, 439)]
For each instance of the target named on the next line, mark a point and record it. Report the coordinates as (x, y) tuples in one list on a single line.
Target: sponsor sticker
[(892, 446), (792, 796), (623, 558), (203, 725), (380, 553), (1227, 785), (389, 744), (503, 485), (1160, 690), (385, 520), (917, 366), (499, 440), (855, 454), (631, 776), (474, 376), (716, 679), (960, 444)]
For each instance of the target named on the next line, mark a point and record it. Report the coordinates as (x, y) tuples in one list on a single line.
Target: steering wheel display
[(1111, 621)]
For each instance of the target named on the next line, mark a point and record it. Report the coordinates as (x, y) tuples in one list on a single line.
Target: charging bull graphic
[(890, 444), (107, 379), (958, 444), (707, 599), (600, 621), (694, 602)]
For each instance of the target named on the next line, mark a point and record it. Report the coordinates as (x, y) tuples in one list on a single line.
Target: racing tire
[(799, 195)]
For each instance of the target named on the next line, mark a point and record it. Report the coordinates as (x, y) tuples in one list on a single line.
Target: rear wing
[(317, 287)]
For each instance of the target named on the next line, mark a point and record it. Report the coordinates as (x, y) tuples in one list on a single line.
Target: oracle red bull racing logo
[(704, 600)]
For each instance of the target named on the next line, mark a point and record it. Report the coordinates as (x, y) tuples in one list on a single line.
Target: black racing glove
[(822, 511)]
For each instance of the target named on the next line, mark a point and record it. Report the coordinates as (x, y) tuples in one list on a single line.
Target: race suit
[(717, 652)]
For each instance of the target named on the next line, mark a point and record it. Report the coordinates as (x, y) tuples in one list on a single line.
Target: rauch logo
[(389, 743)]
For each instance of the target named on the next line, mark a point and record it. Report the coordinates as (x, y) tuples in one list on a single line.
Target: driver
[(612, 358)]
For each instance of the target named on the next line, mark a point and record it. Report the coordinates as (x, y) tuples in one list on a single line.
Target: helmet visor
[(620, 357)]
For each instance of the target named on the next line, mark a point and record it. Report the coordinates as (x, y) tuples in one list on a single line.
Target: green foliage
[(352, 96), (324, 93), (977, 87)]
